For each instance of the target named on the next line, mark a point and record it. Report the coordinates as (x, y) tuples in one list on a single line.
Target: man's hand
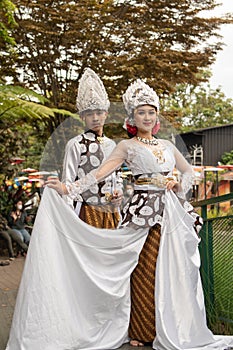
[(117, 197)]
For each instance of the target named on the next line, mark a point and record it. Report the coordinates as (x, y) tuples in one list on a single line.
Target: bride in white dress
[(75, 289)]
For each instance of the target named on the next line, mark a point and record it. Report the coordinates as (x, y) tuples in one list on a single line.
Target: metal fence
[(216, 249)]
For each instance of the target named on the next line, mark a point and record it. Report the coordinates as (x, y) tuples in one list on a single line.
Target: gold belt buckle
[(159, 181), (108, 196), (143, 181)]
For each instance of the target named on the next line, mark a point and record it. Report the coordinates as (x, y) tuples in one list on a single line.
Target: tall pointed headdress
[(137, 94), (91, 93)]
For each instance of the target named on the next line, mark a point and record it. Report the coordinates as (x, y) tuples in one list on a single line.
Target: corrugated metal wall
[(216, 141)]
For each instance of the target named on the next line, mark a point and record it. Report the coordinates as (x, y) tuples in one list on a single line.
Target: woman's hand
[(173, 185), (56, 185)]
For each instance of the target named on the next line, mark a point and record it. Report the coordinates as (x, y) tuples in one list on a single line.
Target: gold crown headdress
[(91, 93), (137, 94)]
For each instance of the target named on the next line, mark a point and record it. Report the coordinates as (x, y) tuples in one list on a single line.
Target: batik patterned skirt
[(100, 216), (146, 209)]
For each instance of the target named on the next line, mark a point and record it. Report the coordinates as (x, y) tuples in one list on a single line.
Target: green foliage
[(8, 22), (17, 104), (163, 42), (216, 212), (196, 107), (25, 125), (227, 158), (7, 41)]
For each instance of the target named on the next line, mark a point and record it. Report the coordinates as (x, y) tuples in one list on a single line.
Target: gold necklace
[(100, 139), (150, 142)]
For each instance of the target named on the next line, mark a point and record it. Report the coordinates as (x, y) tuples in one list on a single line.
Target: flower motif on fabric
[(151, 222), (83, 160), (158, 219), (81, 173), (156, 205), (94, 189), (132, 209), (126, 207), (95, 162), (146, 211), (89, 136), (103, 200), (93, 147), (83, 148), (92, 200), (141, 202), (134, 198), (138, 221), (106, 187)]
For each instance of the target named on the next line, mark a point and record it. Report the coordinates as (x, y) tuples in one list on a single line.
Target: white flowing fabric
[(180, 310), (74, 292)]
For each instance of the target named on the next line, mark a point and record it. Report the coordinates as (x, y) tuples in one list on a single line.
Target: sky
[(222, 69)]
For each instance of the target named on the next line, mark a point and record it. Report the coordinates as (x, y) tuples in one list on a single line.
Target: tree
[(164, 42), (26, 120), (7, 42), (25, 125), (195, 107), (7, 9)]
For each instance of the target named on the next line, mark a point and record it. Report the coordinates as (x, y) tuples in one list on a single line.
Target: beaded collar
[(150, 142)]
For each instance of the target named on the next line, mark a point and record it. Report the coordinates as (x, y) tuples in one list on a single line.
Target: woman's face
[(19, 205), (145, 117)]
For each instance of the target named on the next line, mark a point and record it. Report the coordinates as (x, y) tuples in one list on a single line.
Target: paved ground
[(10, 276), (9, 281)]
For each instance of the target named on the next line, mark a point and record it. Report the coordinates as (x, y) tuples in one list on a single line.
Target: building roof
[(209, 128)]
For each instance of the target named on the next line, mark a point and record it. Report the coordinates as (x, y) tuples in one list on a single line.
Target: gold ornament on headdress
[(137, 94)]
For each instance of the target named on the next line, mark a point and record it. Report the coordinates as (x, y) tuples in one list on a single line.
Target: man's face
[(95, 119)]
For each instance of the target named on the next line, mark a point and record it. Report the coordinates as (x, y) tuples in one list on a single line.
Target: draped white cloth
[(75, 289), (180, 310)]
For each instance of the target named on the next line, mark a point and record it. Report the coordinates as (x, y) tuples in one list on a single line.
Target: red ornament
[(132, 129)]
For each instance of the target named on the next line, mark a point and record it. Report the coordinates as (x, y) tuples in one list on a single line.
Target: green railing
[(216, 249)]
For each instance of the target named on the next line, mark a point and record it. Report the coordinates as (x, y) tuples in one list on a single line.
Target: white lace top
[(141, 159)]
